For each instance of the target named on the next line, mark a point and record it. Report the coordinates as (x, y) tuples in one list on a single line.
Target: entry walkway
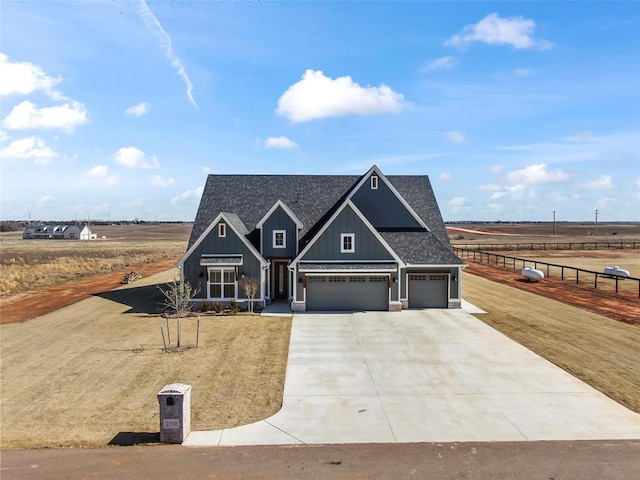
[(423, 376)]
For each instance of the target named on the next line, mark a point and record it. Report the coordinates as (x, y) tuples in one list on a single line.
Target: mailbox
[(175, 412)]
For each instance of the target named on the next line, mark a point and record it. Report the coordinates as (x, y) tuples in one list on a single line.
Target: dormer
[(279, 229)]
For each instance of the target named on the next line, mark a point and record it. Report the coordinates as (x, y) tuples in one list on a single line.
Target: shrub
[(217, 307), (233, 307), (206, 306)]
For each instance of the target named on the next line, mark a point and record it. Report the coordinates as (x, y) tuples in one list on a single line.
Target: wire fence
[(599, 280), (623, 245)]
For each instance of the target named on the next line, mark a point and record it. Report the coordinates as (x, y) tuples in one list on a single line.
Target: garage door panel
[(344, 293), (428, 290)]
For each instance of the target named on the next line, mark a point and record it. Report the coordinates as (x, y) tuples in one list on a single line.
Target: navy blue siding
[(279, 220), (213, 244), (327, 247), (382, 208)]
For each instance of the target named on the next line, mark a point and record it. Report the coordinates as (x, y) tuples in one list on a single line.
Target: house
[(323, 242), (58, 232)]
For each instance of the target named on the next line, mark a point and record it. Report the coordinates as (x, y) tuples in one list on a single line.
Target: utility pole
[(597, 212), (554, 223)]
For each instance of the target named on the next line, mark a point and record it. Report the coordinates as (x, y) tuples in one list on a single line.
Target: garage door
[(428, 291), (348, 293)]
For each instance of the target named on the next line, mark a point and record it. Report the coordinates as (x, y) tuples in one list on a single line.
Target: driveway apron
[(423, 376)]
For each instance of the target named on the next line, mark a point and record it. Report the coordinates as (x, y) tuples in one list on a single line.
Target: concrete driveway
[(423, 376)]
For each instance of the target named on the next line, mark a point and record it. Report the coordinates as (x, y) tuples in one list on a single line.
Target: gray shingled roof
[(251, 197), (313, 197), (421, 248), (234, 220)]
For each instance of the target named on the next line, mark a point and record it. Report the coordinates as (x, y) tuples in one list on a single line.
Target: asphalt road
[(579, 460)]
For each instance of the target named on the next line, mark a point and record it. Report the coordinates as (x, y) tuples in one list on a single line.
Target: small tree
[(177, 299), (250, 285)]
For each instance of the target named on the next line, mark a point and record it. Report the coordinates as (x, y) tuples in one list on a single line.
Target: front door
[(280, 281)]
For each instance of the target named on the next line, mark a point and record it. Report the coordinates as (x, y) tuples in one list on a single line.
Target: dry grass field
[(602, 352), (31, 264), (84, 374)]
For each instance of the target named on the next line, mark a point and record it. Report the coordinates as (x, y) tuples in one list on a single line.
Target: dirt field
[(569, 231), (88, 374)]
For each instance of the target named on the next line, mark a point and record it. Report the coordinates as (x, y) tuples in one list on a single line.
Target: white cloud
[(515, 31), (638, 182), (279, 142), (3, 136), (458, 202), (138, 109), (456, 137), (102, 172), (514, 192), (45, 201), (538, 173), (206, 170), (29, 148), (99, 171), (492, 187), (23, 78), (131, 157), (159, 181), (165, 42), (445, 176), (442, 63), (496, 169), (317, 96), (27, 115), (193, 194), (604, 182)]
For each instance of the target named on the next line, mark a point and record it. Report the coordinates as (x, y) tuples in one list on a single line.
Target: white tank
[(532, 274), (621, 272)]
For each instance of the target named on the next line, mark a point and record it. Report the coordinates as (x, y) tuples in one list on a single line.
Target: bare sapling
[(177, 301), (250, 285)]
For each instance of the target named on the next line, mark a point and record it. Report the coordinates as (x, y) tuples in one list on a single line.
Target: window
[(222, 229), (222, 283), (279, 239), (374, 182), (347, 243)]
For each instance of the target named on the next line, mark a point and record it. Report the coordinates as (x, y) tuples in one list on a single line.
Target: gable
[(327, 245), (382, 207), (279, 220)]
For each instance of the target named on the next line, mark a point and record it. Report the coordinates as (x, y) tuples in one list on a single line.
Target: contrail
[(165, 42)]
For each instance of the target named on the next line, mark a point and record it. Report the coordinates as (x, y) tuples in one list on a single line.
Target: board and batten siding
[(279, 220), (382, 208), (215, 245), (328, 246)]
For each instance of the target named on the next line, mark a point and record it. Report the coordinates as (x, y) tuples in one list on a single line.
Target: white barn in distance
[(58, 232)]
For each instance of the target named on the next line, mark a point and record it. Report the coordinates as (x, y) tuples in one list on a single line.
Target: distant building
[(58, 232)]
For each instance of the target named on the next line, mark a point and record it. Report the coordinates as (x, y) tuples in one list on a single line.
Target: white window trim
[(353, 242), (284, 239), (222, 271), (222, 229), (374, 182)]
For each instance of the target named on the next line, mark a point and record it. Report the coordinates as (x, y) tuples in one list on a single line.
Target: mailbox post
[(175, 412)]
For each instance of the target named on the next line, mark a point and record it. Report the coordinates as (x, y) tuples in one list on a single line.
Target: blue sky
[(119, 109)]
